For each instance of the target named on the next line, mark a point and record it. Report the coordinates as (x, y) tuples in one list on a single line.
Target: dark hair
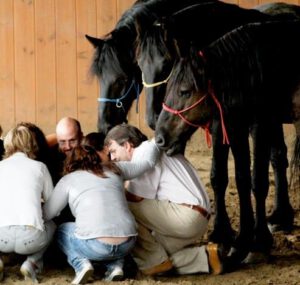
[(85, 157), (125, 133), (95, 140)]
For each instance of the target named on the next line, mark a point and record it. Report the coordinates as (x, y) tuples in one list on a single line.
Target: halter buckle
[(119, 104)]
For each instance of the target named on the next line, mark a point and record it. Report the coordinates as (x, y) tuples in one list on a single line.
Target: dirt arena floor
[(282, 268)]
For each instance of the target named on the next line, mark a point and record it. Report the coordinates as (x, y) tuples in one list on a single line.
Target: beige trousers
[(169, 231)]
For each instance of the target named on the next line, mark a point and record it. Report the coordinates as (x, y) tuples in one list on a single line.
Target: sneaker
[(1, 269), (29, 270), (215, 255), (115, 274), (84, 274)]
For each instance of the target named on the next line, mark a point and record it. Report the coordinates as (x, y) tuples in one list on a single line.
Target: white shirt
[(174, 179), (24, 182)]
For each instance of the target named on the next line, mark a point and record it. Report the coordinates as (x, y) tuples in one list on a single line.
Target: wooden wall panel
[(123, 5), (87, 92), (24, 46), (45, 64), (45, 59), (7, 76), (106, 16), (66, 65)]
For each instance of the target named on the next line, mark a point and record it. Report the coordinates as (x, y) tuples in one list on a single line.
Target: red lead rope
[(205, 127), (224, 132)]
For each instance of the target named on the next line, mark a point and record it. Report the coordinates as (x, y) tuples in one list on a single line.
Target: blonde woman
[(24, 183)]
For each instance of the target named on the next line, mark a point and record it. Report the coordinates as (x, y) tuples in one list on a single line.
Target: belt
[(133, 198), (199, 209)]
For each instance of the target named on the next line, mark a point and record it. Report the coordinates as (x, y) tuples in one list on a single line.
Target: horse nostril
[(160, 141)]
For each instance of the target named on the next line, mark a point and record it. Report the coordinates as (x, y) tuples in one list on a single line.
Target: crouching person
[(24, 183), (104, 228), (172, 210)]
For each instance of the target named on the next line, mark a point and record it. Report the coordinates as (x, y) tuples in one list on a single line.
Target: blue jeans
[(79, 250)]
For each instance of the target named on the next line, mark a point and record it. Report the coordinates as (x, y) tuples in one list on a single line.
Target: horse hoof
[(234, 259), (279, 227), (256, 257)]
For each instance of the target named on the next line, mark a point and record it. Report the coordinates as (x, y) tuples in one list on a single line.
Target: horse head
[(200, 23), (188, 104), (119, 77), (155, 57)]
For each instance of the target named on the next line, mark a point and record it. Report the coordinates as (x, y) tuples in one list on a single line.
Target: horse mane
[(154, 36), (235, 66), (220, 65), (152, 31), (140, 9), (180, 25)]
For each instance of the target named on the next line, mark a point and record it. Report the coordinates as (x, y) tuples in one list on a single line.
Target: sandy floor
[(282, 268)]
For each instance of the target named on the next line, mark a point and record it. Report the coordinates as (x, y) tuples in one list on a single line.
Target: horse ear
[(94, 41)]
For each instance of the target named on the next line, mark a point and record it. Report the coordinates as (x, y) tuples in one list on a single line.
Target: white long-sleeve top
[(24, 182), (99, 204), (173, 178)]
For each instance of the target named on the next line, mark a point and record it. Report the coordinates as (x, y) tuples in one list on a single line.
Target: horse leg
[(239, 142), (263, 239), (282, 216), (295, 161), (222, 231)]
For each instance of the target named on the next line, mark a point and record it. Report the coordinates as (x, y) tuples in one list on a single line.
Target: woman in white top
[(24, 183), (104, 228)]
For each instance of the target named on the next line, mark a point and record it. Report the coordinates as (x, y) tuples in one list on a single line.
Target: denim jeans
[(79, 250), (26, 240)]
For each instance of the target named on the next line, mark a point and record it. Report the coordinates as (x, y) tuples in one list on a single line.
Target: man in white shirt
[(171, 208)]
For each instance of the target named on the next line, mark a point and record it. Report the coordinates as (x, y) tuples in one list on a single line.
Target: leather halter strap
[(151, 85)]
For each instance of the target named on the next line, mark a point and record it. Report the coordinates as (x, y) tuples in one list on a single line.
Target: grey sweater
[(99, 204)]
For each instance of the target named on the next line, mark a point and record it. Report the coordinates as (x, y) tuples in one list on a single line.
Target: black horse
[(115, 64), (250, 76), (156, 54), (201, 24), (114, 60)]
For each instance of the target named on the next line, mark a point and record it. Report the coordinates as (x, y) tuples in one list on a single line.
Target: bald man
[(68, 134)]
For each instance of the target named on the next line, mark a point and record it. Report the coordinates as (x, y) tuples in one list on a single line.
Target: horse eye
[(185, 93), (121, 82)]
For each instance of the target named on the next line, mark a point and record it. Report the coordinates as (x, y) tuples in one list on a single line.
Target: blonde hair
[(21, 139)]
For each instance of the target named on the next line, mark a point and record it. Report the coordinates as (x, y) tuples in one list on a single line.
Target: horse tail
[(295, 166)]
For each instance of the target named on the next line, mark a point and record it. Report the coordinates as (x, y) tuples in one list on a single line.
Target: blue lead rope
[(118, 101)]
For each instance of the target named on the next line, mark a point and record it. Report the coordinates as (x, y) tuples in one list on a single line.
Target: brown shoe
[(214, 255), (160, 268)]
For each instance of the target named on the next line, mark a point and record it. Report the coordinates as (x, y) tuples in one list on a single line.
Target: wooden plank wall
[(44, 59)]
